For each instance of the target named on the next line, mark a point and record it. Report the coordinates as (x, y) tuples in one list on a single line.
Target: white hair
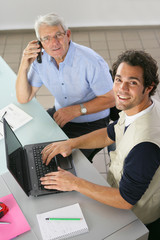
[(50, 19)]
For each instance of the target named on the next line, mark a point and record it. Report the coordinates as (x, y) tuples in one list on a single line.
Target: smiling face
[(56, 48), (129, 89)]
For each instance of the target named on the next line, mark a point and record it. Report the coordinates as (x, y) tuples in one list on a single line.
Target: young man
[(78, 78), (134, 173)]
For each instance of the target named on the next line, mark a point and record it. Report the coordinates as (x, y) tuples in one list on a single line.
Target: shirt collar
[(129, 119), (70, 54)]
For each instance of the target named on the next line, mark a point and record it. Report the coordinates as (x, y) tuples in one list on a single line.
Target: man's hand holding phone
[(30, 53)]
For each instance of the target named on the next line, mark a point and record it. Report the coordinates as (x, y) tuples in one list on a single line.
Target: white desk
[(104, 222)]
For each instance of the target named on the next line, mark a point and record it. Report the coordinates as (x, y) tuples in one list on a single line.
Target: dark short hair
[(143, 60)]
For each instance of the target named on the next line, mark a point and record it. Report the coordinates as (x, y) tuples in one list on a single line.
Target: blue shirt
[(81, 77), (139, 168)]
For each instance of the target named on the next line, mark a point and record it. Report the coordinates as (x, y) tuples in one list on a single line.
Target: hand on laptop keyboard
[(54, 149)]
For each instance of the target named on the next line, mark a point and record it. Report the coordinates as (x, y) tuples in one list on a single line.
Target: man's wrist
[(71, 143)]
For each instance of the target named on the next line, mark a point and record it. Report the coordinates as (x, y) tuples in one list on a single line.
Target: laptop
[(26, 166)]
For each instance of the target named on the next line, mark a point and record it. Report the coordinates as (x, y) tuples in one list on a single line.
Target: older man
[(78, 78)]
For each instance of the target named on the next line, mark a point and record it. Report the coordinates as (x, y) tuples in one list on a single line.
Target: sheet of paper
[(18, 223), (62, 229), (14, 116)]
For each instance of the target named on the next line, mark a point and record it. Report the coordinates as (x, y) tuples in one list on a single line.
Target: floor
[(108, 42)]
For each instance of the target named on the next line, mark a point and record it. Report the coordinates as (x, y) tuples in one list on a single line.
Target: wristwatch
[(83, 109)]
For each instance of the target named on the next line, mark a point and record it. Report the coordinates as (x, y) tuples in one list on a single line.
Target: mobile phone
[(39, 57)]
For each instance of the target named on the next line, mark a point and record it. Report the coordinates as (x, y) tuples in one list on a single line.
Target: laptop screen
[(14, 155), (12, 143)]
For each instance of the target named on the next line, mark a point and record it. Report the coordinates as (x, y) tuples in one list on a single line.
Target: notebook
[(25, 163), (62, 229), (18, 223)]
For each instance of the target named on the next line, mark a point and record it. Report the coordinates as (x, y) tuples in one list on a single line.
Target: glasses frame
[(58, 36)]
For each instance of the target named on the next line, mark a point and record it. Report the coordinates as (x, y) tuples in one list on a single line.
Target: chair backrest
[(113, 111), (114, 114)]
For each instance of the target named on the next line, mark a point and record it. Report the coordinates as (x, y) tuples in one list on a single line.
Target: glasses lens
[(58, 36)]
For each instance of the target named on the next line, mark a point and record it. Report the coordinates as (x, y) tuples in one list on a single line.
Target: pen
[(63, 218), (4, 223)]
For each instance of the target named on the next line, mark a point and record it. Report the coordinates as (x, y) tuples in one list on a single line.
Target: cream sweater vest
[(144, 129)]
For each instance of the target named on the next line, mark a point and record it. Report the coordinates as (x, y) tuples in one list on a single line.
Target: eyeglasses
[(58, 36)]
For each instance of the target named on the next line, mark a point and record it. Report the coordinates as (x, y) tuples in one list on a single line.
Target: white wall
[(21, 14)]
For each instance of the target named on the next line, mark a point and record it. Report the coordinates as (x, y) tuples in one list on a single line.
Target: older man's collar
[(70, 54)]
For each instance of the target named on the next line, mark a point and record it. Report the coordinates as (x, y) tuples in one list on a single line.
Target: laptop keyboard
[(42, 169)]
